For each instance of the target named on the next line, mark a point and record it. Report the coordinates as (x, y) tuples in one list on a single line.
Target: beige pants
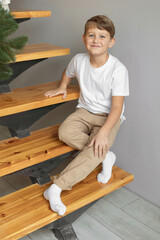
[(77, 130)]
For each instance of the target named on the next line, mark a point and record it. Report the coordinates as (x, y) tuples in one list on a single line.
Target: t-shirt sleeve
[(120, 82), (70, 70)]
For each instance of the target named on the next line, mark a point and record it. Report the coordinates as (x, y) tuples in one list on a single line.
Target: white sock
[(52, 194), (107, 165)]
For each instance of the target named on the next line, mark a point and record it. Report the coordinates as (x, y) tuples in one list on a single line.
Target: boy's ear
[(83, 38), (112, 42)]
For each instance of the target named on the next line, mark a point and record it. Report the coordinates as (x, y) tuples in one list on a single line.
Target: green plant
[(8, 46)]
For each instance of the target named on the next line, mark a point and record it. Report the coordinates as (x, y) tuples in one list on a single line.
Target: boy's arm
[(65, 81), (100, 141), (114, 115), (62, 88)]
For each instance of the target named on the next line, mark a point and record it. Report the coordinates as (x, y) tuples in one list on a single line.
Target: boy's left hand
[(100, 142)]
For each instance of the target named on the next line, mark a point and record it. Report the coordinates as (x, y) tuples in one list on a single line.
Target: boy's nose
[(95, 39)]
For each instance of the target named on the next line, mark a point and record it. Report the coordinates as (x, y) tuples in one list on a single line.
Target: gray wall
[(137, 46)]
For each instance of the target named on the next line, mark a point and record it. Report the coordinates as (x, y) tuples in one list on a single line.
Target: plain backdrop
[(137, 46)]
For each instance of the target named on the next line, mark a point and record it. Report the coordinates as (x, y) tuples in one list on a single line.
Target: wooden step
[(28, 13), (32, 97), (41, 145), (39, 51), (26, 210)]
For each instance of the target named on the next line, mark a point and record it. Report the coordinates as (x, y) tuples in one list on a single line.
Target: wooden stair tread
[(32, 97), (40, 50), (28, 13), (41, 145), (17, 221)]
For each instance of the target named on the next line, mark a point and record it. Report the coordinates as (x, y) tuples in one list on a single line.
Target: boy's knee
[(62, 133), (65, 134)]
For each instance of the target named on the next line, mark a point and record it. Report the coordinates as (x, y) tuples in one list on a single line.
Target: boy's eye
[(102, 36), (90, 35)]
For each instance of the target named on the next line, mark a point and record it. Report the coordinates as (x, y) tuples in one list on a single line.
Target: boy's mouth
[(95, 46)]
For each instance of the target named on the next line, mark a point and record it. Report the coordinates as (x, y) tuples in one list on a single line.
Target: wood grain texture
[(17, 221), (41, 145), (40, 50), (28, 13), (32, 97)]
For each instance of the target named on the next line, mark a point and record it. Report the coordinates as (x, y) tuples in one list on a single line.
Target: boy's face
[(97, 41)]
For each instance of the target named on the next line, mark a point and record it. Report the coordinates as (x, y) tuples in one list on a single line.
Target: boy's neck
[(98, 61)]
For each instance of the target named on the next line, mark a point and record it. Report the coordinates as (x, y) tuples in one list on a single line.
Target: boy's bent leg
[(107, 166), (75, 129), (110, 158), (84, 163), (52, 194)]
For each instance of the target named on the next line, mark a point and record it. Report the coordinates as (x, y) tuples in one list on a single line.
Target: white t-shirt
[(98, 85)]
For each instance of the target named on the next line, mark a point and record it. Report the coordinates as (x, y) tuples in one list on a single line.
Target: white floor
[(121, 215)]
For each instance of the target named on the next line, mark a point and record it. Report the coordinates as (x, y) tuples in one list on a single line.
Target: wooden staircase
[(28, 13), (17, 221), (24, 99), (41, 50), (41, 145), (22, 15), (38, 153)]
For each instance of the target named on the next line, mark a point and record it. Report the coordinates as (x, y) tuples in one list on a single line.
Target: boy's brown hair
[(101, 22)]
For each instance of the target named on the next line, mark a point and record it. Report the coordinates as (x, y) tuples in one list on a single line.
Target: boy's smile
[(97, 41)]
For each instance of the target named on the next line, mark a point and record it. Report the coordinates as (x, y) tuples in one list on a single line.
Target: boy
[(92, 128)]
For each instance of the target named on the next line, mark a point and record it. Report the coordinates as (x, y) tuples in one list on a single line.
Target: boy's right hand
[(56, 92)]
